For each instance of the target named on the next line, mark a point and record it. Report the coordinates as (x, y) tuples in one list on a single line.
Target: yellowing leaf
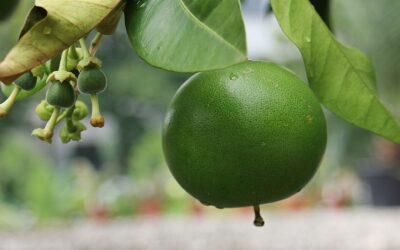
[(51, 27)]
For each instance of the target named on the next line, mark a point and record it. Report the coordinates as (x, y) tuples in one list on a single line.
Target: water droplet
[(233, 77), (309, 119), (308, 39), (47, 31)]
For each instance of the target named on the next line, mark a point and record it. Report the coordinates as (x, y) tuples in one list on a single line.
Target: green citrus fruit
[(249, 134)]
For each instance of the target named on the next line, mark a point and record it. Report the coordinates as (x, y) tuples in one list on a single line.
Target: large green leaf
[(51, 27), (374, 27), (341, 77), (187, 35)]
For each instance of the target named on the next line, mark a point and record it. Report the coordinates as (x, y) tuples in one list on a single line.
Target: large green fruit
[(249, 134)]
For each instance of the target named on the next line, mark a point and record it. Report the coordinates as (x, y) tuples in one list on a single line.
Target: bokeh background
[(113, 190)]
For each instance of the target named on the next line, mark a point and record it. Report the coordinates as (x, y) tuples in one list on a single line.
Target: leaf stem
[(73, 51), (63, 61), (86, 53), (95, 44)]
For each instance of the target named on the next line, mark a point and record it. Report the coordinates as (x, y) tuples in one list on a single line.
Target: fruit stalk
[(97, 119), (70, 124), (46, 134), (9, 102), (258, 220), (84, 48), (95, 44)]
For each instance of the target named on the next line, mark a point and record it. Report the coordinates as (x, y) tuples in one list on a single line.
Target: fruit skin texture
[(249, 134)]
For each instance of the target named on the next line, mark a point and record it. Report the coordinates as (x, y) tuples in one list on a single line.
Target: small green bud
[(44, 110), (67, 135), (80, 111), (43, 134), (73, 59), (46, 133)]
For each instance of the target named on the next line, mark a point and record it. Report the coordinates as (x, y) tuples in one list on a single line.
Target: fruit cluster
[(76, 72)]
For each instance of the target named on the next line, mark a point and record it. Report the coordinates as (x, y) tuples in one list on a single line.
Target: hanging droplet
[(47, 30), (233, 77), (258, 220)]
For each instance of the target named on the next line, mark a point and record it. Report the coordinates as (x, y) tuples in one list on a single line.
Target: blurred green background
[(119, 171)]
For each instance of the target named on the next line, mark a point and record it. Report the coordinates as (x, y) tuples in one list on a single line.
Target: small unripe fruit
[(92, 80), (26, 81), (61, 94)]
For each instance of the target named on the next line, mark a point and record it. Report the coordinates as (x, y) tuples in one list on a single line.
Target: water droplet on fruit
[(309, 119), (258, 220), (47, 31), (308, 39), (233, 77)]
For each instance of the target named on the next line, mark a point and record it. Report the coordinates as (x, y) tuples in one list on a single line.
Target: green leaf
[(187, 35), (51, 27), (360, 23), (341, 77)]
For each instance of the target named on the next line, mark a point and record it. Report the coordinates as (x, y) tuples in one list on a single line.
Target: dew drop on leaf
[(47, 31), (233, 76)]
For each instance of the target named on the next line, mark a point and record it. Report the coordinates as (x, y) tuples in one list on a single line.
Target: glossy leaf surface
[(341, 77), (187, 35)]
